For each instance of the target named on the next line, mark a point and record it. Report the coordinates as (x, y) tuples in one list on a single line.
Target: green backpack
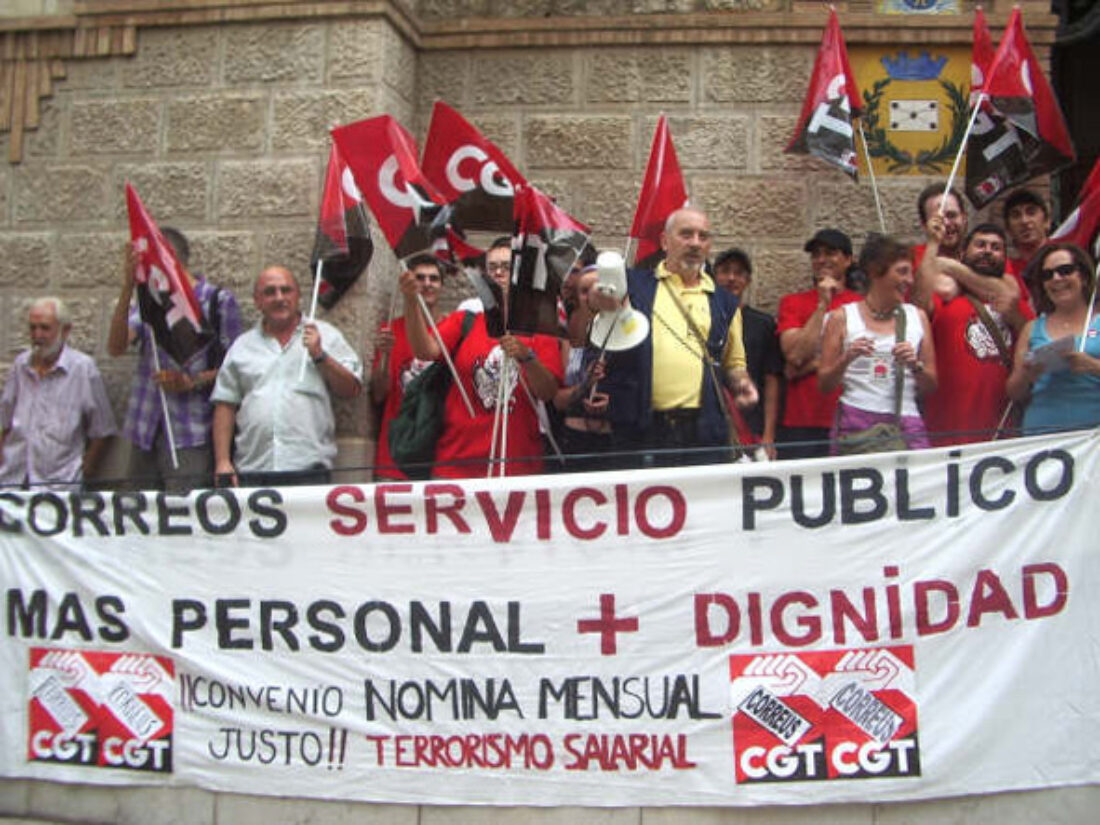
[(419, 421)]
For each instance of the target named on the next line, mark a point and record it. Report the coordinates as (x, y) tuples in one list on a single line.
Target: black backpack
[(419, 421)]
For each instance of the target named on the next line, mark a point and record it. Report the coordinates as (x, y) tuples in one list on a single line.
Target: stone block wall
[(219, 116)]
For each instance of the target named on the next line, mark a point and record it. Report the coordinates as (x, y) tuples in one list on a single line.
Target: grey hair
[(676, 212), (59, 307)]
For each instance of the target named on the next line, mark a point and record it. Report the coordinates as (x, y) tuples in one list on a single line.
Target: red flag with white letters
[(1036, 140), (166, 300), (469, 172), (663, 192), (382, 156), (545, 245), (343, 245), (825, 125)]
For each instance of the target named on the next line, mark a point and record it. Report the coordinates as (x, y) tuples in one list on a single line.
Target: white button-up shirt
[(283, 423), (48, 418)]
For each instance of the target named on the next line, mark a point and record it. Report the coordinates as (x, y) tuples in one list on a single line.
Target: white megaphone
[(621, 328)]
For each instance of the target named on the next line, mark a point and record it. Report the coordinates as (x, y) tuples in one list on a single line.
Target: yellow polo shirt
[(677, 354)]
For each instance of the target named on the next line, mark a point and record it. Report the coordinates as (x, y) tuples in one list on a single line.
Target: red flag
[(825, 125), (382, 157), (1083, 222), (1022, 98), (165, 298), (453, 249), (663, 192), (343, 245), (469, 172), (546, 242), (981, 56)]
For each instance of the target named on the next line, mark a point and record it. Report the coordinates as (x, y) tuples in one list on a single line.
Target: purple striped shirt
[(191, 412)]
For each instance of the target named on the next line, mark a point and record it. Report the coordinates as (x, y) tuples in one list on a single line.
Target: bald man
[(282, 415)]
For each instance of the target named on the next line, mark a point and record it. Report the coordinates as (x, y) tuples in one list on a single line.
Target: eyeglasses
[(1062, 271), (498, 266)]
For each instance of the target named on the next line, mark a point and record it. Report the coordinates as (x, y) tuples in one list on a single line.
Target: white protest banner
[(862, 629)]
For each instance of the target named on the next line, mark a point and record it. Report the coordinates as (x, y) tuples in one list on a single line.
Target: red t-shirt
[(806, 405), (970, 401), (466, 439), (403, 367)]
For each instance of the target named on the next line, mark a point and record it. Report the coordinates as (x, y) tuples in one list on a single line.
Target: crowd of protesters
[(951, 341)]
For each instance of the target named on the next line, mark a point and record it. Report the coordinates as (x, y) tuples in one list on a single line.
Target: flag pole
[(493, 442), (506, 376), (446, 354), (1091, 304), (163, 401), (871, 174), (312, 314), (962, 150), (628, 253)]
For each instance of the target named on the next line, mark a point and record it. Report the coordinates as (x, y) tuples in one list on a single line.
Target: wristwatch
[(320, 358), (530, 356)]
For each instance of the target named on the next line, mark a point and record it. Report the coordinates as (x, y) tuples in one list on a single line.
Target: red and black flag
[(1083, 223), (455, 251), (825, 124), (343, 245), (663, 192), (165, 298), (1033, 139), (545, 244), (382, 157), (469, 172)]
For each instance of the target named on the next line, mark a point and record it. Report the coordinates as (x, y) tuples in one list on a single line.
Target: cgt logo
[(106, 710), (824, 715), (400, 192), (470, 167)]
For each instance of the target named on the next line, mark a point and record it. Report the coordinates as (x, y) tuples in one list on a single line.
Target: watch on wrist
[(320, 358), (530, 356)]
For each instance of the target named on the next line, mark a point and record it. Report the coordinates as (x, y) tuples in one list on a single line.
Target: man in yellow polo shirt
[(666, 394)]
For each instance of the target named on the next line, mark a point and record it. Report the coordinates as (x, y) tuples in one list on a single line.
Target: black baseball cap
[(1022, 196), (734, 254), (832, 238)]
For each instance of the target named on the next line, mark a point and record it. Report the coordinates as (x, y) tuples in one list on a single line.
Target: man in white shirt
[(282, 415)]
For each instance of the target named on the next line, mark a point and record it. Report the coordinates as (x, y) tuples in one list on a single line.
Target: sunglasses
[(1062, 271)]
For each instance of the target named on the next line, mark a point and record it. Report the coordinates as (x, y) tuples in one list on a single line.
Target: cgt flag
[(382, 157), (825, 124), (343, 245), (165, 298), (469, 172), (1083, 222), (546, 242), (663, 192), (1033, 139)]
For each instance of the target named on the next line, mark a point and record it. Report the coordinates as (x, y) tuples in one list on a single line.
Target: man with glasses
[(273, 392), (977, 311), (394, 363)]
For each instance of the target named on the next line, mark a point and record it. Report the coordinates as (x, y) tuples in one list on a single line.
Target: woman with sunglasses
[(1053, 373)]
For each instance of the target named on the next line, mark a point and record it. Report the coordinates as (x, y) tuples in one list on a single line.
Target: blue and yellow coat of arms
[(914, 107)]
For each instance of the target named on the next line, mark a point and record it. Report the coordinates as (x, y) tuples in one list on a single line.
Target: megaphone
[(621, 328)]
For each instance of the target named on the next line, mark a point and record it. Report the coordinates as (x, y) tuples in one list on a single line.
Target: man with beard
[(55, 419), (808, 413), (666, 394), (977, 311)]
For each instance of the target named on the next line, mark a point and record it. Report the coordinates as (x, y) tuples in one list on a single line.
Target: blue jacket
[(629, 381)]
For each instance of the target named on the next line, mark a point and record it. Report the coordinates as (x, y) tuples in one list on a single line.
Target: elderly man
[(285, 429), (976, 311), (668, 393), (55, 419), (808, 413)]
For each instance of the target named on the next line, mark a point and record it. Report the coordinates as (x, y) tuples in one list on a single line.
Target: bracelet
[(530, 356), (320, 358), (918, 367)]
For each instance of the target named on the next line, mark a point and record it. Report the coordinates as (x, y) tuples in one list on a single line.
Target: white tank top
[(869, 380)]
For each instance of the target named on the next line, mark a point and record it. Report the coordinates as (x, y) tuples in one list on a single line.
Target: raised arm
[(118, 335)]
